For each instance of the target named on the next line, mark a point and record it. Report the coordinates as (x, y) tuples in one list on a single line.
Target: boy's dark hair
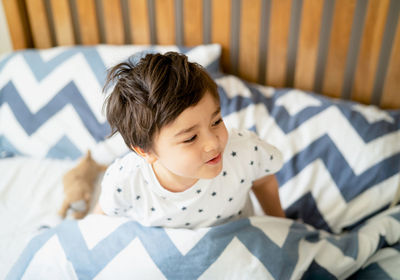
[(152, 93)]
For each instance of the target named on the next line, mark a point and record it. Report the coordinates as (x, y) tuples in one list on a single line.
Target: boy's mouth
[(215, 160)]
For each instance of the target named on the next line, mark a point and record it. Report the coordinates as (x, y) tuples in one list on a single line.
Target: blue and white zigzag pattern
[(256, 248), (38, 88), (339, 156)]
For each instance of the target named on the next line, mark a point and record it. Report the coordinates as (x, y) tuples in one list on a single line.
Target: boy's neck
[(170, 181)]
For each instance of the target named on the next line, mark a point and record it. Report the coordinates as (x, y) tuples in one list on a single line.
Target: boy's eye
[(217, 122), (190, 140)]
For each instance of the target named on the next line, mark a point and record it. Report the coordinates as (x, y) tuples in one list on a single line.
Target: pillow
[(341, 158), (103, 247), (51, 99)]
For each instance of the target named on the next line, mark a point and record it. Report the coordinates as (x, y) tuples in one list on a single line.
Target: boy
[(185, 170)]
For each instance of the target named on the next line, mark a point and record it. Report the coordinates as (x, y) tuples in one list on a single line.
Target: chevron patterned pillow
[(51, 100), (342, 159)]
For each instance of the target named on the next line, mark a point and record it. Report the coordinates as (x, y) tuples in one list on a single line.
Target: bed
[(317, 79)]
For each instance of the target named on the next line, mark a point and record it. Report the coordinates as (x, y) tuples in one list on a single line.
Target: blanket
[(341, 167), (101, 247)]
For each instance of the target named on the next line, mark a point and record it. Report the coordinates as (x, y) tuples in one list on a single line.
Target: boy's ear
[(148, 156)]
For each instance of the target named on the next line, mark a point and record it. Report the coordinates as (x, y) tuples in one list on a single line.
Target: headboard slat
[(307, 54), (391, 89), (89, 33), (62, 22), (139, 20), (221, 29), (338, 47), (278, 42), (249, 39), (16, 18), (113, 22), (346, 49), (39, 23), (371, 42), (165, 23), (193, 22)]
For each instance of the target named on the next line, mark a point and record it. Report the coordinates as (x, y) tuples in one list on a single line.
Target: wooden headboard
[(347, 49)]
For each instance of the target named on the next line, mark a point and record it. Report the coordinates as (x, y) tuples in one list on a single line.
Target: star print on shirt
[(255, 148), (233, 153), (214, 194), (119, 190)]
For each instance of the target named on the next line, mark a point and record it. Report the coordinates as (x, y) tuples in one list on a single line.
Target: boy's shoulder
[(125, 165), (242, 135), (247, 149)]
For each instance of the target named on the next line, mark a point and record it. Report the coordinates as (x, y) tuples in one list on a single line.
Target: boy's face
[(191, 147)]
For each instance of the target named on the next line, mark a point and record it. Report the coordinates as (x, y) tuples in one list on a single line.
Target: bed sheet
[(31, 194), (341, 159)]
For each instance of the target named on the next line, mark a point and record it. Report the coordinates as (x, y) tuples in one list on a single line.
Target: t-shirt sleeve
[(115, 191), (269, 158)]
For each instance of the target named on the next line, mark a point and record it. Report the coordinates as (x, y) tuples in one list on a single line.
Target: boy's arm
[(267, 193)]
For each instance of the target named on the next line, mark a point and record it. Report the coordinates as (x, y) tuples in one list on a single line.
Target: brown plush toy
[(79, 186)]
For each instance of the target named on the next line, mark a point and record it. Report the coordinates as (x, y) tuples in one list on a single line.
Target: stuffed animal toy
[(79, 186)]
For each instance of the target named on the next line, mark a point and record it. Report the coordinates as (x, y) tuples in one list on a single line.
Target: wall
[(5, 40)]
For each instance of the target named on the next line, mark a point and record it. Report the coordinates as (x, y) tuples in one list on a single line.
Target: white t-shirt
[(130, 187)]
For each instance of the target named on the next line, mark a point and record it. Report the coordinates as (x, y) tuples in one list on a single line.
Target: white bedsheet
[(31, 193)]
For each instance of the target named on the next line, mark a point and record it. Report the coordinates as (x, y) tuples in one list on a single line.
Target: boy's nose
[(212, 143)]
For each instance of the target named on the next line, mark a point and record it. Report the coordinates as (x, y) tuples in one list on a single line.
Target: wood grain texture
[(193, 22), (367, 62), (139, 21), (391, 89), (306, 61), (165, 22), (278, 42), (221, 29), (17, 24), (338, 47), (62, 22), (249, 39), (113, 22), (88, 27), (39, 24), (29, 27)]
